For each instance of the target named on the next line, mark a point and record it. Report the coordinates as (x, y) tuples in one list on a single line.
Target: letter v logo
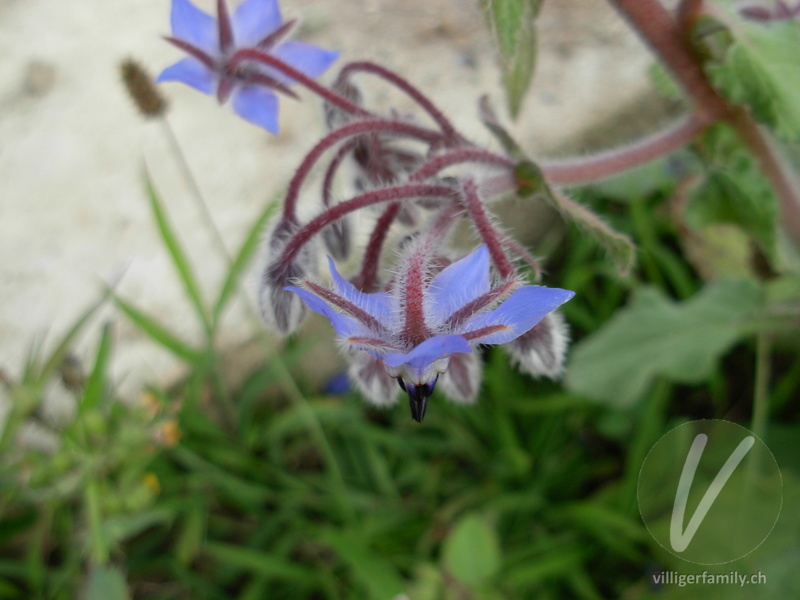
[(680, 539)]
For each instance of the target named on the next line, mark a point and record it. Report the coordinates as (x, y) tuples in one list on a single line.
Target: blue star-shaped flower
[(421, 322), (211, 42)]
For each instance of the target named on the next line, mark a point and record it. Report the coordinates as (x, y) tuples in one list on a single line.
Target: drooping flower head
[(213, 64), (426, 321)]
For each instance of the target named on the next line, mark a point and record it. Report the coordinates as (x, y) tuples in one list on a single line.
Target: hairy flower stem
[(453, 137), (343, 133), (529, 258), (249, 54), (657, 27), (688, 11), (368, 276), (460, 156), (486, 229), (334, 213), (333, 169), (605, 164)]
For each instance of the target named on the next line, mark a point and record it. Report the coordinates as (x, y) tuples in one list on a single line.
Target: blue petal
[(458, 284), (192, 25), (258, 106), (191, 72), (254, 20), (345, 326), (378, 305), (428, 352), (519, 313), (307, 59)]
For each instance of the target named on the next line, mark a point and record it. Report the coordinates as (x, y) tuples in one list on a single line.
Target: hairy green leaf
[(761, 70), (471, 551), (736, 195), (512, 23), (655, 336)]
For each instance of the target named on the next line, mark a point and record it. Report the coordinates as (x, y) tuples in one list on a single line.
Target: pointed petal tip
[(258, 106)]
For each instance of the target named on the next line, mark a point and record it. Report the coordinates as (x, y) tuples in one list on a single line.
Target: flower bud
[(541, 351), (335, 117), (280, 309), (337, 238), (371, 378), (462, 380)]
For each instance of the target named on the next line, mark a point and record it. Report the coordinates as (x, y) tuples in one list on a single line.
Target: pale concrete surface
[(73, 211)]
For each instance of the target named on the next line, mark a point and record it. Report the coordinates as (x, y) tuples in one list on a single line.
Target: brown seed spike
[(142, 89)]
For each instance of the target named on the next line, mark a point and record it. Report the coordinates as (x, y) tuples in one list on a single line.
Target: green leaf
[(375, 574), (619, 246), (654, 336), (160, 334), (96, 386), (761, 70), (471, 552), (512, 23), (240, 262), (106, 583), (735, 196), (178, 256)]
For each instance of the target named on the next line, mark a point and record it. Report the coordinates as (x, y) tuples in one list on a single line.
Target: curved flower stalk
[(212, 46), (416, 328), (419, 325)]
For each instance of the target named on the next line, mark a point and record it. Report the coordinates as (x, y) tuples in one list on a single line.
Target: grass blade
[(160, 334), (178, 256), (96, 385), (240, 262)]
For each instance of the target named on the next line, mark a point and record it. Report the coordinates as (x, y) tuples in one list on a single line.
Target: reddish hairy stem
[(250, 54), (655, 25), (333, 168), (420, 98), (414, 281), (368, 277), (463, 155), (343, 133), (524, 255), (334, 213), (688, 11), (486, 229), (583, 170)]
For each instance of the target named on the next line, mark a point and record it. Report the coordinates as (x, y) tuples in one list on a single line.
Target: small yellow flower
[(168, 434), (150, 481)]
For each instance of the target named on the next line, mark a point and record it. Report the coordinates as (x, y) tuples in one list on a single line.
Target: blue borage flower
[(211, 42), (416, 328)]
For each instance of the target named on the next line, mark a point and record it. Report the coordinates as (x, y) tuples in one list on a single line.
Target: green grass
[(298, 495)]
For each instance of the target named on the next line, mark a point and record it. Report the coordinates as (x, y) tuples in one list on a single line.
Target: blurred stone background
[(73, 211)]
